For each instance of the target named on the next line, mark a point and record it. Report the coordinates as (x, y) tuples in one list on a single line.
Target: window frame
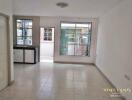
[(91, 32), (23, 28), (52, 34)]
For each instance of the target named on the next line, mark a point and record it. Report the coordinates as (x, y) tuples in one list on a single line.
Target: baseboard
[(63, 62), (123, 98), (10, 83)]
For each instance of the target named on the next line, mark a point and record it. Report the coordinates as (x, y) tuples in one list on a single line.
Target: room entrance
[(46, 44)]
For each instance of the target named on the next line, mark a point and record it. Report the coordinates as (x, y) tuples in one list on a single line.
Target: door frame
[(53, 42), (8, 47)]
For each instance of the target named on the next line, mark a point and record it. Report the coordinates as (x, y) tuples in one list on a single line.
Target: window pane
[(49, 38), (28, 32), (67, 25), (82, 39), (45, 37), (20, 41), (64, 43), (71, 47), (24, 32), (82, 30), (81, 25), (75, 39), (28, 23), (89, 25), (45, 34), (69, 34), (71, 37), (48, 32), (19, 32), (28, 40), (41, 34), (81, 50), (19, 23)]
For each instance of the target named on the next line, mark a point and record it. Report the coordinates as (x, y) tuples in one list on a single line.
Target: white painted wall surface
[(55, 22), (3, 53), (6, 8), (114, 48)]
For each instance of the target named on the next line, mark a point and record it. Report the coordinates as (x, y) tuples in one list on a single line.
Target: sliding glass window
[(24, 32), (75, 39)]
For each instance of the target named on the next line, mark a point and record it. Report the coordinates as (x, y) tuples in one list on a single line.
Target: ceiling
[(76, 8)]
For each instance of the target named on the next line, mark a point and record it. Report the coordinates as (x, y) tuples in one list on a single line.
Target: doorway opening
[(47, 44)]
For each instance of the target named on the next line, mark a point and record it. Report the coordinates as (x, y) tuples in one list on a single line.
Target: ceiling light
[(62, 4)]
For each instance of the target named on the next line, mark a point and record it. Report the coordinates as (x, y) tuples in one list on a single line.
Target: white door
[(3, 53)]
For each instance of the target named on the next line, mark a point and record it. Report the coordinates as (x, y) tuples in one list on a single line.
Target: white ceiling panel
[(76, 8)]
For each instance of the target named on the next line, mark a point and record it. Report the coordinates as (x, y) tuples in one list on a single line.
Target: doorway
[(47, 44), (4, 52)]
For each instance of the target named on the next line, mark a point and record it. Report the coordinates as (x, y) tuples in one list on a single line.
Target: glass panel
[(45, 34), (41, 34), (75, 39), (24, 32), (82, 25), (81, 50), (82, 39), (71, 37), (45, 37), (82, 30), (67, 25), (19, 23), (48, 34), (20, 41), (50, 30), (27, 32), (46, 30), (28, 23), (64, 42), (69, 33), (28, 40), (49, 38), (24, 29), (19, 32), (71, 47)]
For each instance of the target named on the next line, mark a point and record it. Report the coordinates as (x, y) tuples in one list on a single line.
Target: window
[(24, 32), (47, 34), (75, 39)]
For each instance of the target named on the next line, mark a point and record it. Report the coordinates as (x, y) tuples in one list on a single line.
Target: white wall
[(6, 8), (76, 8), (55, 22), (114, 46)]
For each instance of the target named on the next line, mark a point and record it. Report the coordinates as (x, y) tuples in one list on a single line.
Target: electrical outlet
[(127, 77)]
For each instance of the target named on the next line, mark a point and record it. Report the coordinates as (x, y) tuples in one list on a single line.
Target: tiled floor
[(46, 59), (48, 81)]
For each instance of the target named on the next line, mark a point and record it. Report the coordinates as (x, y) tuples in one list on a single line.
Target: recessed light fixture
[(62, 4)]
